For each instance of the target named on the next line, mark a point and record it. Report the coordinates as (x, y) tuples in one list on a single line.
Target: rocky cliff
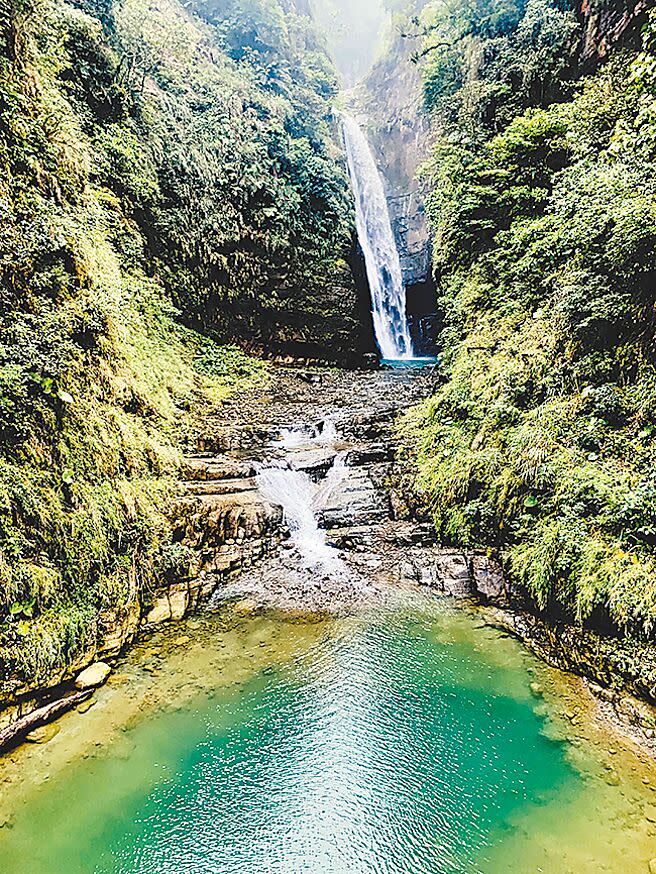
[(607, 23), (390, 99)]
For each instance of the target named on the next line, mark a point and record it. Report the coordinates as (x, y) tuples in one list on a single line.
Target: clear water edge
[(384, 743)]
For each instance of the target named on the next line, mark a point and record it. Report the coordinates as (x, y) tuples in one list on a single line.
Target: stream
[(340, 706)]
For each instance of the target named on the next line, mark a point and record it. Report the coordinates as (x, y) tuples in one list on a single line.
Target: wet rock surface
[(338, 431)]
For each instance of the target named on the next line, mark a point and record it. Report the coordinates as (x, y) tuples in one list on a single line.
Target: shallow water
[(417, 362), (392, 742)]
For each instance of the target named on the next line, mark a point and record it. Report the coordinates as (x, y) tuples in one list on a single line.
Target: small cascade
[(302, 435), (295, 492), (379, 247), (301, 498), (333, 478)]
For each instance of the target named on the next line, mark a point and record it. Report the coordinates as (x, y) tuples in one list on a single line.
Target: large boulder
[(488, 579), (94, 675)]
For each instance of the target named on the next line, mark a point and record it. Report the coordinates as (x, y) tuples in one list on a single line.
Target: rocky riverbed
[(290, 501)]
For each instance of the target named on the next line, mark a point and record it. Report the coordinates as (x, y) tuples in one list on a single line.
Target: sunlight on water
[(382, 744)]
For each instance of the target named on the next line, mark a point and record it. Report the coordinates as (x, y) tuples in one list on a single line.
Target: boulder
[(94, 675), (488, 579)]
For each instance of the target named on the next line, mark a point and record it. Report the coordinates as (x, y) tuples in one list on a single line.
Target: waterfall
[(380, 253), (294, 491), (300, 499)]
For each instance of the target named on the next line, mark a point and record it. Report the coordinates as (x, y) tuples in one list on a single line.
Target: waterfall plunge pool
[(420, 361), (405, 740)]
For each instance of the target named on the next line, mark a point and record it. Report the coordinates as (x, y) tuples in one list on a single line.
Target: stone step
[(220, 486), (314, 461), (213, 520), (369, 454), (233, 438), (215, 467), (353, 536)]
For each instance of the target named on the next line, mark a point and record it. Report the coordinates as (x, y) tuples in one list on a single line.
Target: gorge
[(326, 477)]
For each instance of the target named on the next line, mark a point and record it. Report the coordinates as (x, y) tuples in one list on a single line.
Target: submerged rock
[(94, 675), (245, 607), (42, 734)]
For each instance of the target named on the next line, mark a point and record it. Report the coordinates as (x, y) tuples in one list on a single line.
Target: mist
[(353, 29)]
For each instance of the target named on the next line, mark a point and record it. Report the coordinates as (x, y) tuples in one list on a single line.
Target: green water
[(385, 744)]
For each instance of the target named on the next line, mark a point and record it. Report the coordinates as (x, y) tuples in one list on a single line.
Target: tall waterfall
[(380, 253)]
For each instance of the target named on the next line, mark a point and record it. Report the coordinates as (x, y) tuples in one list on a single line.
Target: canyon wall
[(606, 24), (390, 100)]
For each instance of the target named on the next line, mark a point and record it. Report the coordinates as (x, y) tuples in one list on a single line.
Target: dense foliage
[(539, 443), (157, 169)]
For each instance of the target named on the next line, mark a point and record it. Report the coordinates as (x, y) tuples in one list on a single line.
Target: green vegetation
[(161, 173), (539, 444)]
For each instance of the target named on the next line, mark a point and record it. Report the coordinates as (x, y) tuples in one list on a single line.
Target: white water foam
[(295, 492), (300, 498), (379, 247)]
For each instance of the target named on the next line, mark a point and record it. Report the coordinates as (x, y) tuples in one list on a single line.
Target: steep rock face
[(331, 324), (400, 134), (606, 24)]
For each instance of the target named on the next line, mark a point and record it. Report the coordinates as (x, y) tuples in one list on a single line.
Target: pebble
[(652, 866), (650, 812), (42, 734)]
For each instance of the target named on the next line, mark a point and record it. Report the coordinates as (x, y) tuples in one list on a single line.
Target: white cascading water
[(294, 491), (300, 498), (379, 247)]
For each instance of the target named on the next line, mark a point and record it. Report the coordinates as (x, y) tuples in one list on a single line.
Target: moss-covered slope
[(539, 443), (159, 171)]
